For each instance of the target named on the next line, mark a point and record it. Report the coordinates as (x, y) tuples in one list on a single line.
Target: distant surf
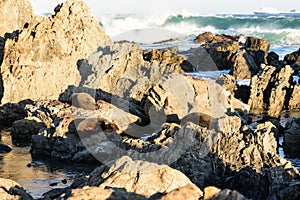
[(282, 32)]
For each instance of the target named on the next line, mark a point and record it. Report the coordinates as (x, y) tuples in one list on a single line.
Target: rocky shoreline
[(71, 93)]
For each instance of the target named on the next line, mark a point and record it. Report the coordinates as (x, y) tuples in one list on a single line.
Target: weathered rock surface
[(66, 126), (222, 53), (40, 60), (244, 66), (16, 14), (10, 189), (292, 138), (268, 90), (140, 177), (293, 101)]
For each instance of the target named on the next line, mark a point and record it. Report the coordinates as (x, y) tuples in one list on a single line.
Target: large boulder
[(17, 14), (40, 61)]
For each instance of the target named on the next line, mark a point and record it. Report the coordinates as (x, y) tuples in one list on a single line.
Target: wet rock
[(23, 129), (273, 59), (41, 62), (10, 189), (292, 138), (17, 14)]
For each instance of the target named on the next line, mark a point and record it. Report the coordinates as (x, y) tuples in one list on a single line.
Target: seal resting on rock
[(4, 148), (83, 100)]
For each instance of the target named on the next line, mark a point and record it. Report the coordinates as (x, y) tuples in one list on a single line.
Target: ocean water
[(282, 32)]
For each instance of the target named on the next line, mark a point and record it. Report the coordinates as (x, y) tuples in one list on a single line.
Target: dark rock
[(23, 129), (291, 143), (222, 53), (257, 45), (292, 57), (4, 148)]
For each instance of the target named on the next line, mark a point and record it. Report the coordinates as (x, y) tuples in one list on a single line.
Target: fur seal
[(4, 148), (83, 100)]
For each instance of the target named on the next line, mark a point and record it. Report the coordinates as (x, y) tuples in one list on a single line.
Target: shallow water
[(40, 173)]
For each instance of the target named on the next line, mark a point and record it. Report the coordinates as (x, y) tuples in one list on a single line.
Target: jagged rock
[(213, 193), (292, 57), (200, 96), (273, 59), (23, 129), (292, 138), (204, 37), (244, 66), (228, 82), (41, 60), (17, 13), (124, 70), (293, 101), (140, 177), (222, 53), (259, 49), (10, 189), (167, 57), (268, 90)]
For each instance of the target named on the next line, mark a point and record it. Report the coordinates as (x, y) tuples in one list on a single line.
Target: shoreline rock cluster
[(155, 132)]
